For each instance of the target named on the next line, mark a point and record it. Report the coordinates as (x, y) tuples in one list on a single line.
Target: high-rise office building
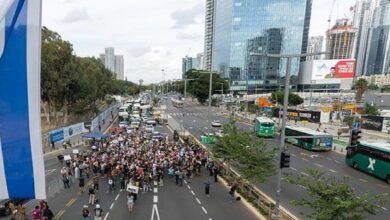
[(363, 12), (188, 63), (378, 60), (119, 67), (114, 63), (340, 40), (315, 45), (240, 28), (208, 34), (109, 59), (200, 61)]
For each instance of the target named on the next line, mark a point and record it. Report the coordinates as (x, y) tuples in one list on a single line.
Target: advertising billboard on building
[(333, 69)]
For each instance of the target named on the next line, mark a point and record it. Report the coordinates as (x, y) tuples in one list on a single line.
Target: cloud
[(139, 52), (188, 36), (186, 17), (78, 14)]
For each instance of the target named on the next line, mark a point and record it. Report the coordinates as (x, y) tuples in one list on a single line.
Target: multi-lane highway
[(194, 119), (162, 202)]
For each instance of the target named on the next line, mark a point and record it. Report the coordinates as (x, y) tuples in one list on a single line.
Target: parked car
[(219, 133), (216, 124), (123, 124), (151, 121)]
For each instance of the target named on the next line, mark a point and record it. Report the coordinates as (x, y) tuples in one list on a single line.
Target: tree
[(333, 199), (293, 99), (370, 110), (360, 86), (199, 87), (245, 152), (373, 87), (348, 120)]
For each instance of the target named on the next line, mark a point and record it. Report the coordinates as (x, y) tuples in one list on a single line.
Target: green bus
[(371, 157), (322, 143), (264, 127)]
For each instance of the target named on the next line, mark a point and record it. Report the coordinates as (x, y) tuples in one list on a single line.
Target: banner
[(22, 172), (300, 115), (333, 69)]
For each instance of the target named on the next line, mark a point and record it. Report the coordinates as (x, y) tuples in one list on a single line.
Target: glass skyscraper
[(242, 27), (378, 61)]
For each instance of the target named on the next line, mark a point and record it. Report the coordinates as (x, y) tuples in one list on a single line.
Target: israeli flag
[(22, 173)]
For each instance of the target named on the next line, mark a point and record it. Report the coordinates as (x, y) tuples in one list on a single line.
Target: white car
[(149, 128), (216, 124), (219, 133), (123, 124)]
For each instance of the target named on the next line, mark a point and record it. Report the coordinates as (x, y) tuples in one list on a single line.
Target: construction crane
[(189, 50), (331, 13)]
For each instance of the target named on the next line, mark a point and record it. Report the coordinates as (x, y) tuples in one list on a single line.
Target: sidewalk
[(77, 141)]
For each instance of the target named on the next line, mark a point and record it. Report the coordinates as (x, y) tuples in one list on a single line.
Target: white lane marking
[(333, 171), (192, 192), (48, 172), (304, 159), (204, 210), (155, 199), (303, 173), (198, 200), (384, 208), (318, 165), (302, 186), (117, 196), (337, 161), (155, 183), (185, 181), (293, 169), (112, 205), (155, 211), (188, 186), (105, 217), (155, 190)]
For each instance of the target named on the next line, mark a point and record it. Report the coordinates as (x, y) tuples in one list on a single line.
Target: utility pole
[(282, 146)]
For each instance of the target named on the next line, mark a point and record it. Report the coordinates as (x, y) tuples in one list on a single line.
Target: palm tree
[(360, 86)]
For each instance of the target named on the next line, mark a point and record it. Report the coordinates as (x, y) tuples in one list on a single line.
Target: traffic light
[(355, 136), (285, 159)]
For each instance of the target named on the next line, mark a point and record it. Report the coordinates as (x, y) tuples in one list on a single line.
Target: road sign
[(357, 125)]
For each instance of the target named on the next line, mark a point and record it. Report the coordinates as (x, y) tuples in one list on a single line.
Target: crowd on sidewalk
[(132, 163)]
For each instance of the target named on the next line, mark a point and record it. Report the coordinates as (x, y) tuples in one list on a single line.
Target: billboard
[(333, 69)]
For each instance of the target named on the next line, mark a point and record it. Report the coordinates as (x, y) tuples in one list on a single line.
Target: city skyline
[(179, 23)]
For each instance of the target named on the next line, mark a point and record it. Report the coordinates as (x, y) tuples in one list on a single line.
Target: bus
[(264, 127), (323, 143), (177, 103), (371, 157)]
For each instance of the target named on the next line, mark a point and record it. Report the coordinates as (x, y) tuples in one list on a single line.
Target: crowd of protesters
[(125, 159)]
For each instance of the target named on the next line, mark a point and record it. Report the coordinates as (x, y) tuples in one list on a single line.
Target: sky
[(151, 34)]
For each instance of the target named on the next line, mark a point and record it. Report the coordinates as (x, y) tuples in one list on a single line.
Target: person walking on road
[(95, 181), (36, 213), (85, 213), (207, 186), (47, 214), (130, 201), (98, 212), (232, 192), (110, 185), (81, 184), (91, 193)]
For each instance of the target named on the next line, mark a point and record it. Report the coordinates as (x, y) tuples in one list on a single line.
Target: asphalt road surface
[(195, 119)]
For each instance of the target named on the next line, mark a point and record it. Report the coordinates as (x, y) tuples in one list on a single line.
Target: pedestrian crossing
[(192, 113)]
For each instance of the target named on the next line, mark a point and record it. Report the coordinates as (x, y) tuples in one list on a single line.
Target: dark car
[(4, 209)]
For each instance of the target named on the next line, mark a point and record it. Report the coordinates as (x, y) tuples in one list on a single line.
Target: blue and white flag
[(22, 173)]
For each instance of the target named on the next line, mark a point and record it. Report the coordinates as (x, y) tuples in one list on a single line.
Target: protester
[(91, 193), (232, 191), (207, 186), (85, 213), (47, 214), (98, 212), (130, 202), (36, 213)]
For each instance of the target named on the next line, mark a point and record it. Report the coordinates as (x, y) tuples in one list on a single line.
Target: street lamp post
[(284, 117)]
